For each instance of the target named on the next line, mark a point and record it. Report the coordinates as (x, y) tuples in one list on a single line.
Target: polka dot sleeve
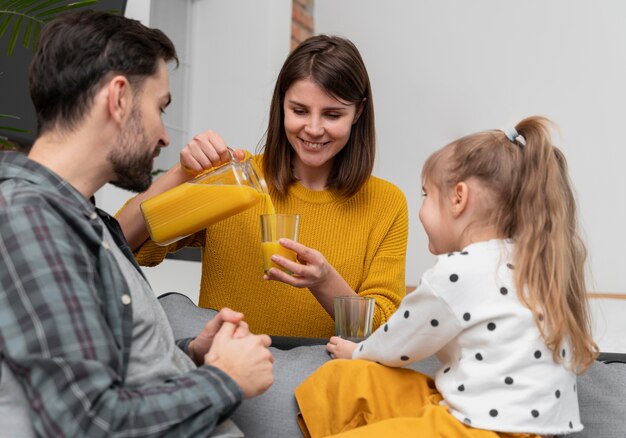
[(422, 325)]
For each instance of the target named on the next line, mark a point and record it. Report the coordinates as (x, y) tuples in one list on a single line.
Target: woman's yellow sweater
[(364, 238)]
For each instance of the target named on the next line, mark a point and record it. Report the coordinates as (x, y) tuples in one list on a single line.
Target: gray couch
[(602, 390)]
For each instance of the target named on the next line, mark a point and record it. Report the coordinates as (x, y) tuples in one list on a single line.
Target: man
[(81, 332)]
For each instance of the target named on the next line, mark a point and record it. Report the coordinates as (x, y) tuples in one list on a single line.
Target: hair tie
[(515, 137)]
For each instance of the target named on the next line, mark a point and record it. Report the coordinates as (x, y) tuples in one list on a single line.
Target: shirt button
[(93, 216), (105, 245), (125, 299)]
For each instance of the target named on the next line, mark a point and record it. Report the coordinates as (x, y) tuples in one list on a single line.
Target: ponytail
[(530, 200), (550, 255)]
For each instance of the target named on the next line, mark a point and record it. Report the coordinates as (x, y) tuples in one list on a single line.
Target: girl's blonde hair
[(532, 203)]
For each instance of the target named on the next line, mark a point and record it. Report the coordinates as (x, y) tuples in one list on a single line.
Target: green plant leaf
[(8, 128), (60, 9), (6, 4), (4, 141), (32, 15), (15, 34), (5, 24), (27, 34), (36, 36), (6, 144), (43, 5), (16, 6)]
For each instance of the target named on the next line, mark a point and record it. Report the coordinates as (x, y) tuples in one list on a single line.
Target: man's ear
[(120, 98), (460, 197)]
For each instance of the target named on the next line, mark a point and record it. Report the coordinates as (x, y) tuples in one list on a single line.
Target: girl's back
[(496, 371)]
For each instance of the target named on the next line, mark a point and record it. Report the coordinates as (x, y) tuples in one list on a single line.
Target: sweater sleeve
[(423, 325), (385, 278), (151, 253)]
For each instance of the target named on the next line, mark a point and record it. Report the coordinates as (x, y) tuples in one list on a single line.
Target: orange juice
[(273, 227), (271, 248), (269, 207), (191, 207)]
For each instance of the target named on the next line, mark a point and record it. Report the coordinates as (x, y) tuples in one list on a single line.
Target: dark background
[(14, 94)]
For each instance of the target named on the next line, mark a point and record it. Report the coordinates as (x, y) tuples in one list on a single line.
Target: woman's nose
[(314, 127)]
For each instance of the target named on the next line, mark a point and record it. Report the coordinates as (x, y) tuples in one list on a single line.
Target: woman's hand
[(312, 269), (204, 151), (340, 348)]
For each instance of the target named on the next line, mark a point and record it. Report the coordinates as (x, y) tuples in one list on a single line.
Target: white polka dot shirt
[(496, 373)]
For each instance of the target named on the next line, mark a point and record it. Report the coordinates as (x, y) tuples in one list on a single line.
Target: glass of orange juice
[(273, 228)]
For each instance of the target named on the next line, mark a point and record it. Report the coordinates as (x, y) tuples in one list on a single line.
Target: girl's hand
[(204, 151), (340, 348), (311, 272)]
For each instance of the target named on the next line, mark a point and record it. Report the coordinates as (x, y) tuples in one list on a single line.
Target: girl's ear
[(359, 110), (120, 98), (460, 197)]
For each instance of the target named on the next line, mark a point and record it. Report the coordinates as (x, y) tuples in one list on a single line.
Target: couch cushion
[(187, 319), (601, 391), (273, 413), (602, 400)]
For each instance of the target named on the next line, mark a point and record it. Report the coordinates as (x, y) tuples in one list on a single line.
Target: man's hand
[(245, 358), (200, 346)]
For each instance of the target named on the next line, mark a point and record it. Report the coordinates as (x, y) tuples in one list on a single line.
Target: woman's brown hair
[(335, 65), (533, 204)]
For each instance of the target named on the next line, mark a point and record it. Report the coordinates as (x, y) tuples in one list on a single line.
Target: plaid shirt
[(66, 320)]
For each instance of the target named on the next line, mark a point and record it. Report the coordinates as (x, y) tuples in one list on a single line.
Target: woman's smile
[(318, 126)]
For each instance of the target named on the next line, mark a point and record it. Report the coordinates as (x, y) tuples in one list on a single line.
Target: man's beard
[(131, 162)]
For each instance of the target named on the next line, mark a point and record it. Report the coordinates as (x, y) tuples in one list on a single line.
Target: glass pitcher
[(212, 196)]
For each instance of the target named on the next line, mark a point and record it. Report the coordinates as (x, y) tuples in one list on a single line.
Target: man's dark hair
[(79, 49)]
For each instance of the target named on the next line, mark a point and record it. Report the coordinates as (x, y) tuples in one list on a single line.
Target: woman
[(317, 161)]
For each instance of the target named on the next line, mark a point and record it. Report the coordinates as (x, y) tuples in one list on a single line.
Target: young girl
[(503, 309), (317, 161)]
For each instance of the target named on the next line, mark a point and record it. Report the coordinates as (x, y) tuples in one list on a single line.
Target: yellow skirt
[(359, 398)]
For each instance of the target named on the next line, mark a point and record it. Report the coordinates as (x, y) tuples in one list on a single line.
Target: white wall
[(139, 10), (237, 49), (441, 69)]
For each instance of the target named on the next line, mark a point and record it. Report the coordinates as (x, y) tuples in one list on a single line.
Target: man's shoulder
[(28, 208), (24, 182), (20, 193)]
